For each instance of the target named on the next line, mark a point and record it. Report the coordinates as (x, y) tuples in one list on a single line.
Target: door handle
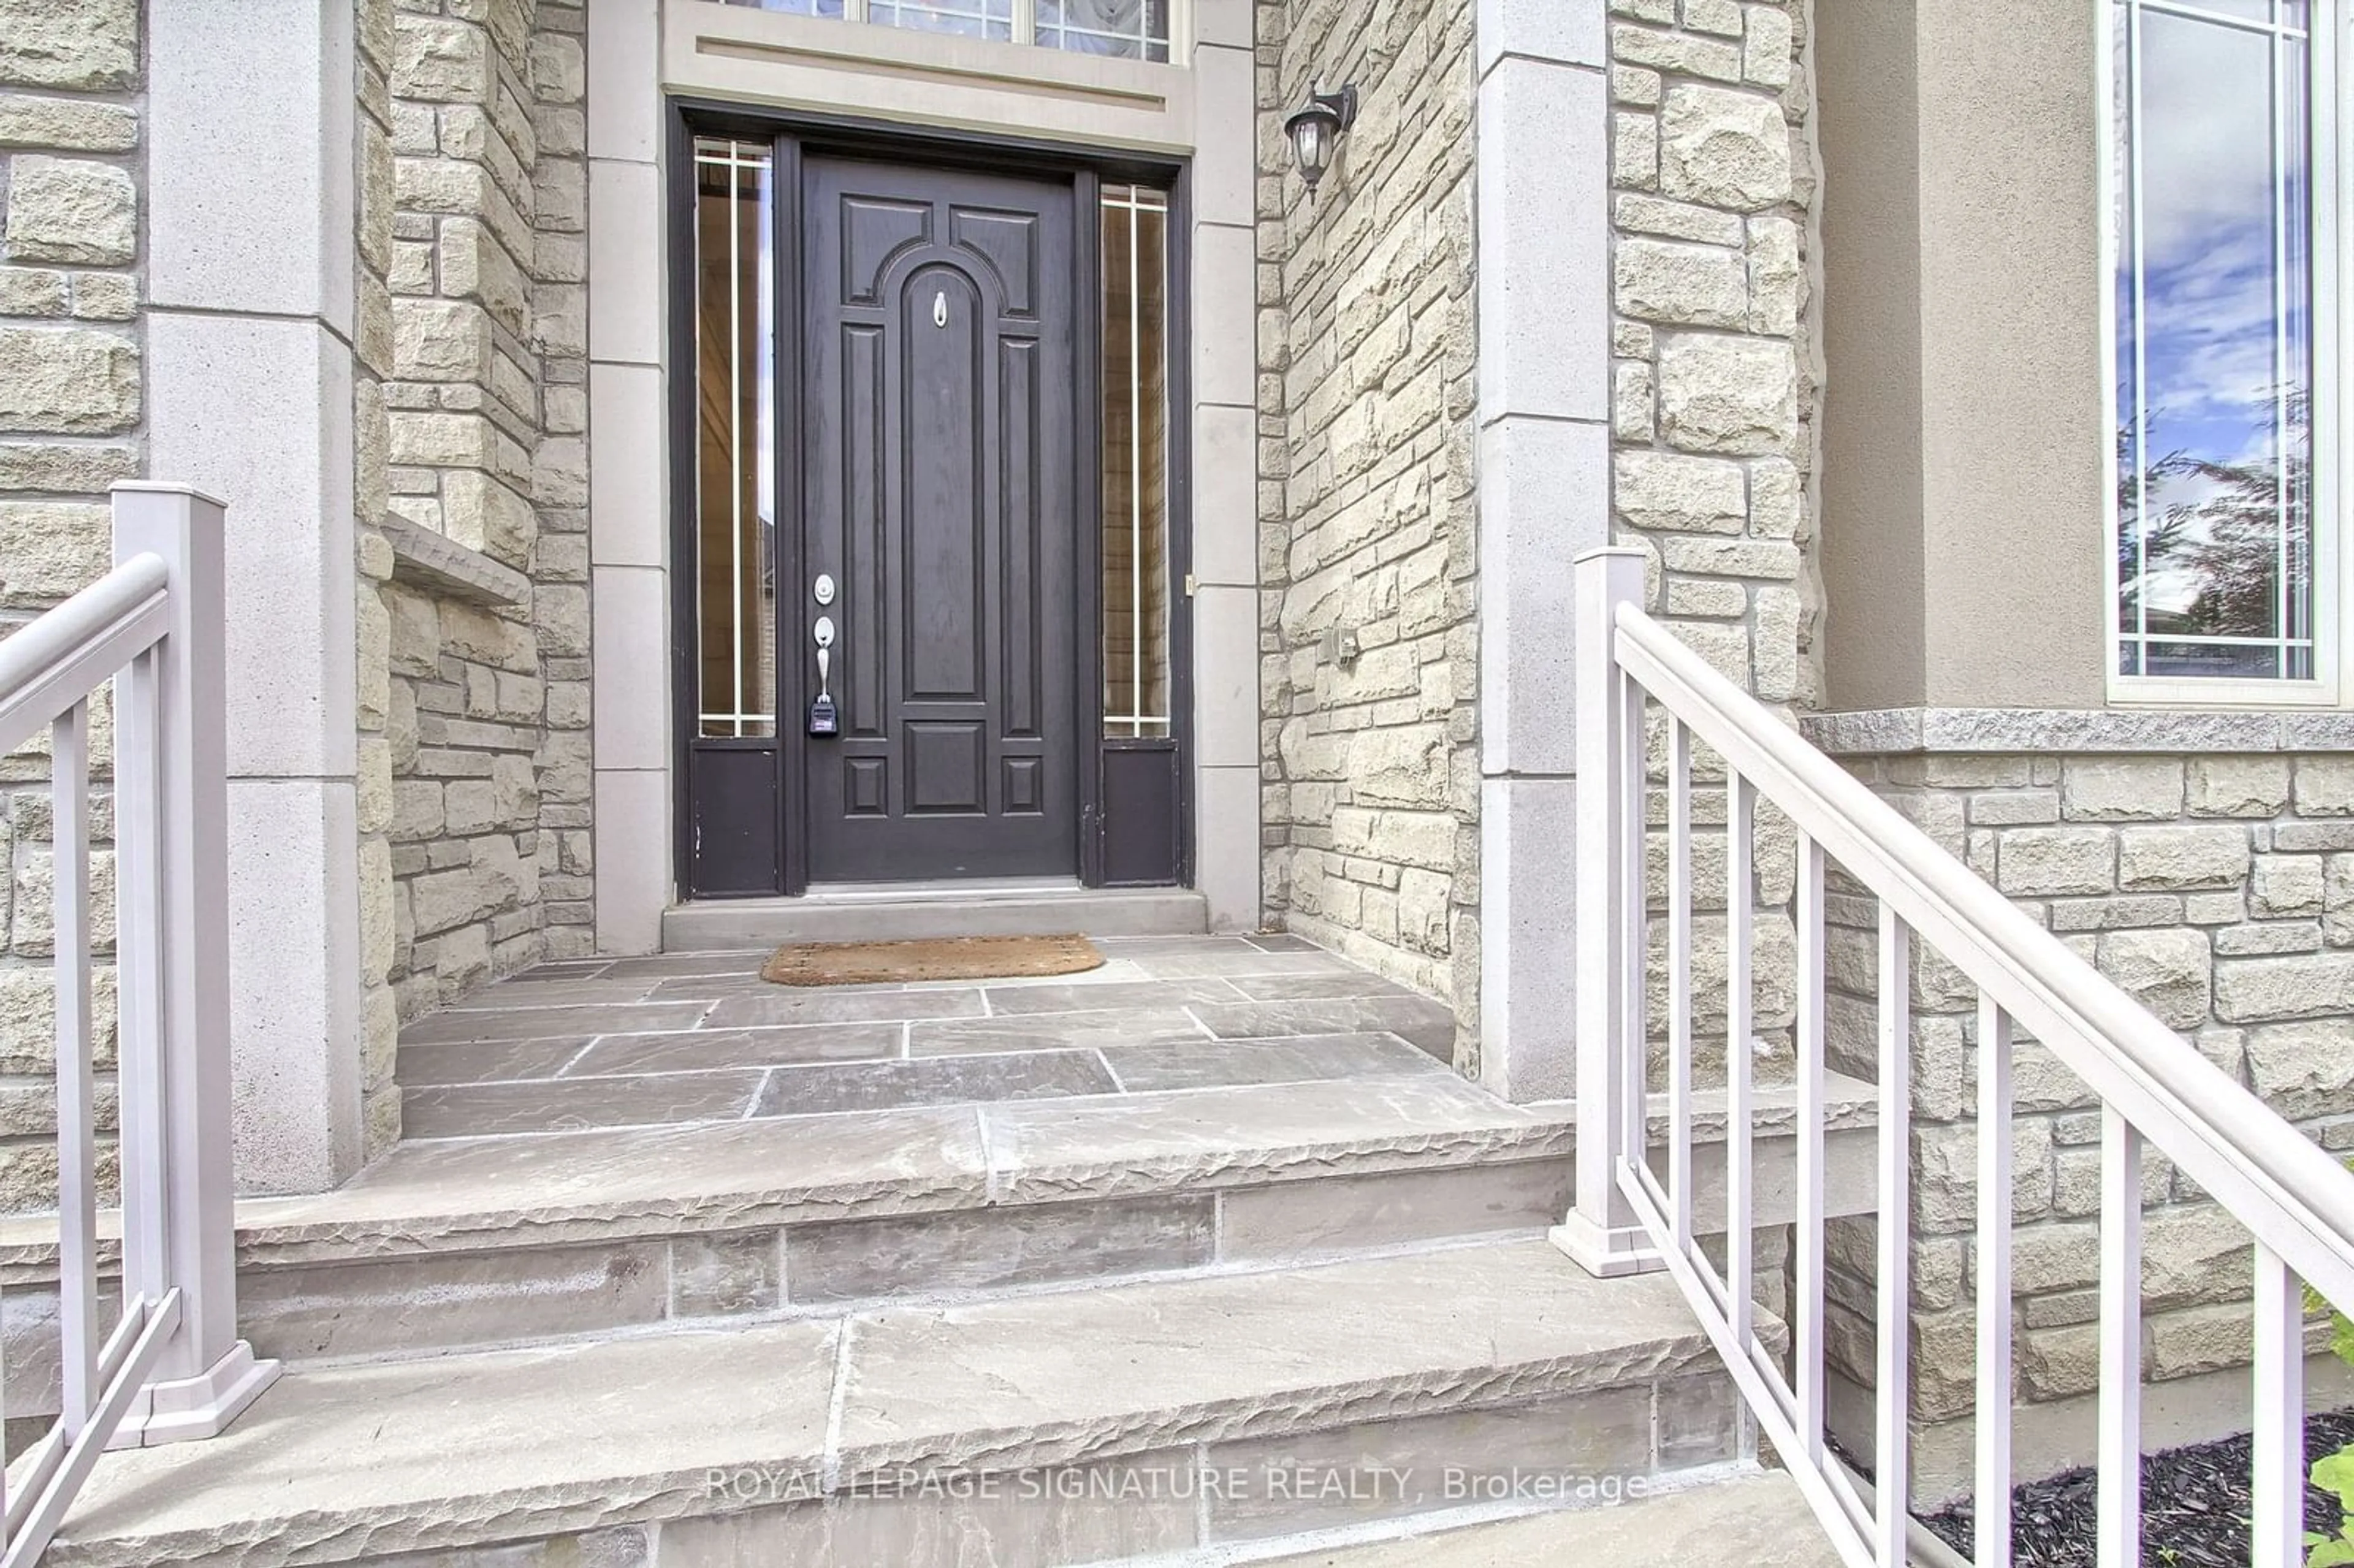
[(823, 717)]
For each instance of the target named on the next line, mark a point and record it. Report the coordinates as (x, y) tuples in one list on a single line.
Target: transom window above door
[(1126, 29)]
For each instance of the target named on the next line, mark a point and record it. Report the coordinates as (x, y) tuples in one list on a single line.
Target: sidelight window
[(735, 415), (1130, 29), (1136, 556), (2224, 201)]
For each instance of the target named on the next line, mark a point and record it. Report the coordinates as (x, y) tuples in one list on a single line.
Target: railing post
[(1602, 1232), (173, 923)]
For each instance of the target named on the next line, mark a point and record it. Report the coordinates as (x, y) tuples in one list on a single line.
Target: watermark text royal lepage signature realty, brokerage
[(1395, 1487)]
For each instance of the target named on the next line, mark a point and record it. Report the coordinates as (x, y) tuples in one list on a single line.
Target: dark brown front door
[(938, 413)]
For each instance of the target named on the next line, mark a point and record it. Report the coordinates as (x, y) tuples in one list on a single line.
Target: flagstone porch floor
[(698, 1037)]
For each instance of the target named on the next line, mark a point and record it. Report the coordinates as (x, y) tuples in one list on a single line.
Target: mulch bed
[(2194, 1507)]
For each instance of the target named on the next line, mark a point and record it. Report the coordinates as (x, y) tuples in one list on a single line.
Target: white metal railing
[(173, 1367), (2155, 1092)]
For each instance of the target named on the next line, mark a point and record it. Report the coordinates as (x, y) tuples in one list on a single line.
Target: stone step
[(468, 1243), (1754, 1520), (900, 911), (1146, 1419), (451, 1244)]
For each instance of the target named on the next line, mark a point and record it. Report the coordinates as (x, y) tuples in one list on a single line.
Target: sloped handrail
[(2297, 1202), (65, 655), (172, 1367), (2284, 1188)]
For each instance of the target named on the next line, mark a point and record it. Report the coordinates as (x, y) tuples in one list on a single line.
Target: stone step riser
[(722, 924), (1322, 1397), (1248, 1497), (299, 1308), (297, 1305)]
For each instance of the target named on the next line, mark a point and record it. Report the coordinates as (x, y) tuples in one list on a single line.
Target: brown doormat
[(938, 959)]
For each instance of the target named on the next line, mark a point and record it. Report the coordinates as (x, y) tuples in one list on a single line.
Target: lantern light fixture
[(1316, 129)]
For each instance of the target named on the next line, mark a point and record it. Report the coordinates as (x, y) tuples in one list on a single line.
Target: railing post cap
[(1605, 553), (156, 487)]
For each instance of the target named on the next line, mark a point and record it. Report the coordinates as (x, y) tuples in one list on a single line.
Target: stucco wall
[(1367, 521), (1874, 554), (71, 423), (1967, 430), (2191, 857)]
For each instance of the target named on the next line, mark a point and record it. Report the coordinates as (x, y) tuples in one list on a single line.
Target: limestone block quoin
[(72, 210), (1733, 395), (87, 45), (1725, 149), (1688, 285), (79, 381)]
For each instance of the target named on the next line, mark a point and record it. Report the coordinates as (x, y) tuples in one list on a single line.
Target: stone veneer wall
[(1367, 408), (484, 706), (1367, 523), (71, 406), (372, 222), (1714, 385), (1714, 368), (2215, 886), (469, 419)]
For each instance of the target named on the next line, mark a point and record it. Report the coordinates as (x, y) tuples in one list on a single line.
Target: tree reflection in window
[(2240, 534)]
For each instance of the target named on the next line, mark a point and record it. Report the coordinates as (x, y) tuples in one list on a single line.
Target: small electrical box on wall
[(1339, 645)]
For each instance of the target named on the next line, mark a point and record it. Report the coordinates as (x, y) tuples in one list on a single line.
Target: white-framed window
[(735, 428), (1137, 602), (1129, 29), (2226, 204)]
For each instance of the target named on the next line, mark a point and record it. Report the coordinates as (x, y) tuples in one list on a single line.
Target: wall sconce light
[(1316, 129)]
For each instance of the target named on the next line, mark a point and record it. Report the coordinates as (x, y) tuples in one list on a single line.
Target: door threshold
[(944, 890), (869, 912)]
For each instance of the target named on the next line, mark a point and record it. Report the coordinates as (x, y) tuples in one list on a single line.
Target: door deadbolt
[(822, 589)]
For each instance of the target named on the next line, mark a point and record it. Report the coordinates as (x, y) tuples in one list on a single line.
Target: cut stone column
[(249, 332), (1224, 518), (1545, 496), (629, 550)]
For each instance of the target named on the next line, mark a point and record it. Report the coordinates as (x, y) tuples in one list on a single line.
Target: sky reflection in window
[(2214, 342)]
